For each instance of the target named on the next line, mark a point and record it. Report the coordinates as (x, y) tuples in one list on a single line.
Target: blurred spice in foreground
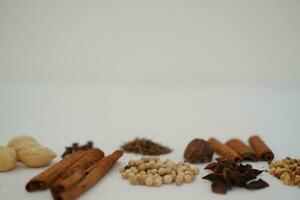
[(145, 147)]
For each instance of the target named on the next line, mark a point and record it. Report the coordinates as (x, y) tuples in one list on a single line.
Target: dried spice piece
[(262, 151), (80, 184), (75, 147), (46, 178), (90, 158), (74, 174), (287, 170), (259, 184), (224, 150), (219, 187), (241, 148), (198, 151), (145, 147), (227, 173)]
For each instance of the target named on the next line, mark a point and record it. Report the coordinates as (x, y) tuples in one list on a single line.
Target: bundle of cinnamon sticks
[(74, 174), (237, 150)]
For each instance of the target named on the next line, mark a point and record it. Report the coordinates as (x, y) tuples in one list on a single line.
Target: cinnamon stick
[(262, 151), (85, 162), (93, 175), (91, 156), (241, 148), (224, 150), (43, 180)]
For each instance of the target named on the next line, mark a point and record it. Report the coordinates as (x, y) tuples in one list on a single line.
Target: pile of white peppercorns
[(287, 170), (151, 171)]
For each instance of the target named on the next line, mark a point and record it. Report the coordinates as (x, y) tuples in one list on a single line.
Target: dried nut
[(198, 151), (36, 156), (167, 179), (8, 157), (22, 142)]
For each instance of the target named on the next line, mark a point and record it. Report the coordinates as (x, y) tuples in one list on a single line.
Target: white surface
[(158, 41), (108, 71), (110, 115)]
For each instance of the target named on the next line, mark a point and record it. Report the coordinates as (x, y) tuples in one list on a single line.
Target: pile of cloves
[(227, 173), (76, 147)]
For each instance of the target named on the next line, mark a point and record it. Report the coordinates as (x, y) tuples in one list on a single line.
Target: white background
[(108, 71)]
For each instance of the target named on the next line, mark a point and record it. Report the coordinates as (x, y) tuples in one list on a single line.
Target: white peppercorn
[(149, 180), (157, 181), (162, 171), (167, 179), (131, 163), (187, 178)]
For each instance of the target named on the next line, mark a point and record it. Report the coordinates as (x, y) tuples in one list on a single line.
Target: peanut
[(36, 156), (8, 158), (22, 142)]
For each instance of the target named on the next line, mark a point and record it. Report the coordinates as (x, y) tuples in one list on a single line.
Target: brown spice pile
[(287, 170), (75, 147), (227, 173), (145, 147)]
